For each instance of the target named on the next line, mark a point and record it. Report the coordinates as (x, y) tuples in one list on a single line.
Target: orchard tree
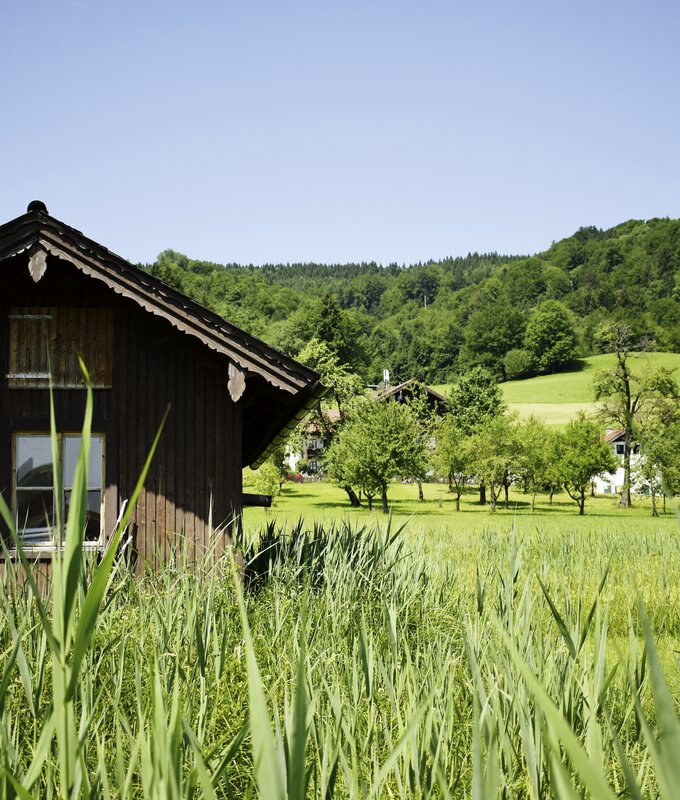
[(550, 337), (474, 400), (265, 480), (426, 415), (453, 456), (659, 465), (534, 456), (379, 442), (345, 387), (583, 456), (495, 449), (627, 398), (553, 449)]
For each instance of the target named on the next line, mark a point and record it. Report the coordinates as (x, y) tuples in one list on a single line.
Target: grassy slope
[(557, 398), (577, 387)]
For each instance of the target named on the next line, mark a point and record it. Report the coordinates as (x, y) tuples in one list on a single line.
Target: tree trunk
[(457, 502), (552, 492), (533, 501), (383, 497), (582, 504), (664, 502), (421, 496), (353, 499), (625, 492), (482, 494), (506, 487), (655, 512), (493, 498)]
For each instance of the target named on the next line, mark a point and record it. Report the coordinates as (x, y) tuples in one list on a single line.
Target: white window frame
[(56, 540)]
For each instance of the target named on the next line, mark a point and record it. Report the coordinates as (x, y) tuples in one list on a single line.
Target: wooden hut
[(231, 397)]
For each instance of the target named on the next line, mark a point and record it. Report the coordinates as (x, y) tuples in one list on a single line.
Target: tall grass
[(343, 662)]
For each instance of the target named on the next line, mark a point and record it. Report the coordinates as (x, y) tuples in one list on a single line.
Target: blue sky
[(339, 131)]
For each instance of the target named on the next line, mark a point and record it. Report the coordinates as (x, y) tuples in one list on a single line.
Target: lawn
[(323, 502)]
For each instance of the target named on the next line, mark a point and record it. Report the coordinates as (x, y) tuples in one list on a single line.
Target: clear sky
[(258, 131)]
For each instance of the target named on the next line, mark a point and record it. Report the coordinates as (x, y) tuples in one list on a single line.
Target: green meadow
[(558, 398), (323, 502)]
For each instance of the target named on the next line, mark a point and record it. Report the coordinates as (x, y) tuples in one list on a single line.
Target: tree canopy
[(380, 441), (582, 455)]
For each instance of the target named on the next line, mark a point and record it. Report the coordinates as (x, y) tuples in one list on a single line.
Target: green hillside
[(557, 398), (515, 315), (577, 386)]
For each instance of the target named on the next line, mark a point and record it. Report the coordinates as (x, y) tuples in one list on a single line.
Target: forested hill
[(519, 315)]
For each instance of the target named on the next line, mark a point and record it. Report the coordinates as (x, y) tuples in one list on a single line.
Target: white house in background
[(313, 442), (612, 482)]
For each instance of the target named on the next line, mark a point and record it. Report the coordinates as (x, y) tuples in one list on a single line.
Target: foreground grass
[(348, 660), (367, 664)]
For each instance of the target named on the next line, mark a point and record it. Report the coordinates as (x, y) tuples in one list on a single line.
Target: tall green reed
[(338, 661)]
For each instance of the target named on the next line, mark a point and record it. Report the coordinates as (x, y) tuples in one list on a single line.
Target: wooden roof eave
[(36, 228), (239, 355), (311, 397)]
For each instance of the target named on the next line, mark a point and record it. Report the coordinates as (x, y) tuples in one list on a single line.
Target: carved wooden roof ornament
[(237, 383), (37, 264)]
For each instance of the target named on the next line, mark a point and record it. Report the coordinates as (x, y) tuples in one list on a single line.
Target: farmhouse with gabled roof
[(231, 397)]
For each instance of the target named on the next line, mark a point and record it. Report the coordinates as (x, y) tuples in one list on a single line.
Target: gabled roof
[(614, 435), (297, 387), (410, 386)]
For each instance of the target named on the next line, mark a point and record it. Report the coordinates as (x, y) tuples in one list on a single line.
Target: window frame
[(56, 537)]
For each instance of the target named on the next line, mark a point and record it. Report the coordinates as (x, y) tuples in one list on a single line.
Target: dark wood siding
[(197, 468)]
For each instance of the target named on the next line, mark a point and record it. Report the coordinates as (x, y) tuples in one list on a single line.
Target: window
[(34, 490), (46, 342), (620, 449)]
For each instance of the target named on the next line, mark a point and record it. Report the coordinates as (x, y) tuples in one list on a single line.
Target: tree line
[(477, 442), (435, 321)]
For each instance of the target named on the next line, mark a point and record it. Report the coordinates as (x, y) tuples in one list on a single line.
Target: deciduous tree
[(550, 337), (453, 456), (474, 399), (379, 442), (535, 455), (583, 456), (628, 397), (495, 448)]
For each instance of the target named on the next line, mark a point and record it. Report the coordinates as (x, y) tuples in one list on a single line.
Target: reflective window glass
[(34, 461), (71, 453), (93, 514), (35, 511), (34, 494)]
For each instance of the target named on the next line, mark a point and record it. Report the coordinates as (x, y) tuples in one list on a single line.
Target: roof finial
[(37, 205)]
